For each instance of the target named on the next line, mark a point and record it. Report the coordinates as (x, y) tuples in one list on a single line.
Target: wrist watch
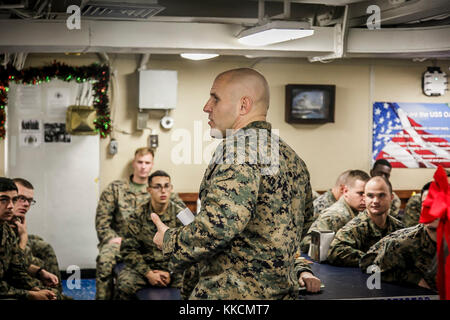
[(39, 271)]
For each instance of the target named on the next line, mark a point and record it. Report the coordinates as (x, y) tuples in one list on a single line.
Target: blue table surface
[(340, 283), (351, 283)]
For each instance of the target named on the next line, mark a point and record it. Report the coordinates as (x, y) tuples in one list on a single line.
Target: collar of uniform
[(130, 183), (376, 230), (258, 125), (352, 212), (331, 195), (254, 125), (162, 215)]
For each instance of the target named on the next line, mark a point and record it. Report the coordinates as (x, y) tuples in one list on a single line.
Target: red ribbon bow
[(437, 206)]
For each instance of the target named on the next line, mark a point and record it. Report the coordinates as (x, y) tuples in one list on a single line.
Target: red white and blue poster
[(411, 135)]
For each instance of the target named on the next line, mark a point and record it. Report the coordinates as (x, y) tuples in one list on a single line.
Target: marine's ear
[(246, 105)]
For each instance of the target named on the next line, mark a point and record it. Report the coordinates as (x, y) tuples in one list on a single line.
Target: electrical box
[(158, 89), (434, 82)]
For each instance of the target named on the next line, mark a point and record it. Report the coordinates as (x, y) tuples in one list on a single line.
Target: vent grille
[(124, 11)]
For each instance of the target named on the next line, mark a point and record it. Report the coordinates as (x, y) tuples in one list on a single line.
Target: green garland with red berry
[(33, 76)]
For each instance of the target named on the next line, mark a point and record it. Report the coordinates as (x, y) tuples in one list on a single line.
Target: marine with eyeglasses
[(117, 202), (16, 278), (145, 264), (37, 252)]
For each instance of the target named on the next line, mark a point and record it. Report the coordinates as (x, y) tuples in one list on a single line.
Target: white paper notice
[(28, 98), (185, 216), (58, 100), (30, 134)]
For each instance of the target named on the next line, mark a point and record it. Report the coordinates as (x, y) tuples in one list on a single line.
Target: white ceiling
[(409, 28)]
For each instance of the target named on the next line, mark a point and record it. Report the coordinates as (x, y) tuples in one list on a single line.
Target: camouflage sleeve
[(391, 259), (301, 265), (225, 212), (178, 201), (129, 248), (412, 211), (27, 255), (104, 215), (344, 250), (309, 211), (20, 280), (9, 292)]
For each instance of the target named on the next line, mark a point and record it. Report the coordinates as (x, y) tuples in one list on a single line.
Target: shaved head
[(237, 98), (251, 83)]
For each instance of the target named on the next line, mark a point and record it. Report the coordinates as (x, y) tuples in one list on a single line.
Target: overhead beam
[(146, 37), (174, 38), (399, 40)]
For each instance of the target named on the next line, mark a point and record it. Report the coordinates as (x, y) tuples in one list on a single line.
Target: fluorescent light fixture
[(199, 56), (274, 32)]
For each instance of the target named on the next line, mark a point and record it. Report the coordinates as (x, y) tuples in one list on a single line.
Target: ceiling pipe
[(261, 11), (340, 39), (286, 11), (144, 60)]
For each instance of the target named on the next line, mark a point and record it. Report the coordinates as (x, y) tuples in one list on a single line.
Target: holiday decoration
[(98, 74), (437, 206)]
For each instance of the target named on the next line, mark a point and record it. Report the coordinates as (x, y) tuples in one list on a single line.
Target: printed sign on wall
[(411, 135)]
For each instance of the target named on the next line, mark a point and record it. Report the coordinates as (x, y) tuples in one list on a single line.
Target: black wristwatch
[(39, 271)]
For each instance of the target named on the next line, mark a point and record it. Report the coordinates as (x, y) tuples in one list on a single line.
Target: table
[(351, 283), (340, 283)]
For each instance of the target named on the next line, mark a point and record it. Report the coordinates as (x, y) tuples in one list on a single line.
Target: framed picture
[(309, 103)]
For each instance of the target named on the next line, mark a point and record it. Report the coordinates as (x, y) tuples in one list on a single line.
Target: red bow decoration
[(437, 206)]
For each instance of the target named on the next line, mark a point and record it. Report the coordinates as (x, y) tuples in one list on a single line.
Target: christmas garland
[(96, 72)]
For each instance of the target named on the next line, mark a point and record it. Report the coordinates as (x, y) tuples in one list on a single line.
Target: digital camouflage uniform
[(404, 256), (248, 230), (412, 211), (353, 240), (14, 278), (332, 218), (395, 206), (322, 202), (115, 205), (140, 254), (41, 254), (315, 195)]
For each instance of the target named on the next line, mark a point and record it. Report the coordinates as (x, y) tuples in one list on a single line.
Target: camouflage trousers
[(130, 281), (107, 258), (41, 254)]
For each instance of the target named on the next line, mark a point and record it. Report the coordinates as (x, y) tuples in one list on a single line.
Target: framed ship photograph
[(309, 103)]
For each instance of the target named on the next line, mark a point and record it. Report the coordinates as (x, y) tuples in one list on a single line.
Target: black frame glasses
[(160, 188), (21, 198), (6, 200)]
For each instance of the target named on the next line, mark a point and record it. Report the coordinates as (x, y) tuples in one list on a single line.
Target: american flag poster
[(411, 135)]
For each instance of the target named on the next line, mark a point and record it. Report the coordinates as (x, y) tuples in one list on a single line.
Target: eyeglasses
[(159, 187), (5, 200), (31, 201)]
